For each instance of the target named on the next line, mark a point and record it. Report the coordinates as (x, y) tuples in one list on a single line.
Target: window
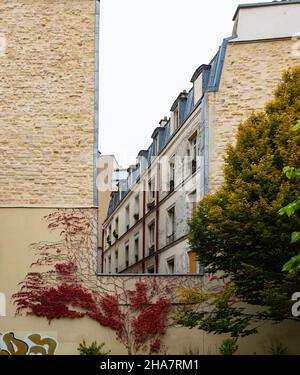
[(194, 265), (156, 145), (194, 148), (108, 237), (136, 249), (187, 163), (116, 230), (127, 217), (127, 255), (183, 168), (176, 118), (171, 266), (151, 229), (188, 153), (150, 269), (151, 233), (172, 175), (192, 201), (151, 186), (137, 207), (117, 261), (109, 264), (193, 153), (151, 194), (171, 225)]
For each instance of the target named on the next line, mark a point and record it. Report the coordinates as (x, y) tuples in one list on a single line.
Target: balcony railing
[(150, 205), (151, 250), (171, 238)]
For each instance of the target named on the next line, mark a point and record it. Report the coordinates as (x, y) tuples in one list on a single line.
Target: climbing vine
[(63, 284)]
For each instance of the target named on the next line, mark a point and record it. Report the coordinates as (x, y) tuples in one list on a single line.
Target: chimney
[(272, 20), (163, 122)]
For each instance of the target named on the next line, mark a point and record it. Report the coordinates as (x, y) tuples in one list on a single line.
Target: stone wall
[(47, 102), (251, 72)]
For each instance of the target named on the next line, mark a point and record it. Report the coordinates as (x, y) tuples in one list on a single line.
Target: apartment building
[(146, 228), (147, 221)]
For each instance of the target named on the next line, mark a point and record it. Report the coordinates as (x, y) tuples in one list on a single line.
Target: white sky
[(149, 50)]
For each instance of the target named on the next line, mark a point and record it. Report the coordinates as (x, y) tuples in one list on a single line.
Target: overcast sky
[(149, 50)]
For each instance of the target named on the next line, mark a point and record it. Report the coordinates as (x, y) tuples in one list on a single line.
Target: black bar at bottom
[(150, 364)]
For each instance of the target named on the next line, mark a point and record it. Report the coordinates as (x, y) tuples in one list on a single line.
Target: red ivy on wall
[(140, 322), (70, 288)]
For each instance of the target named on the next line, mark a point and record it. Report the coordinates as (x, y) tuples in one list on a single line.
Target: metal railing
[(151, 250), (171, 238)]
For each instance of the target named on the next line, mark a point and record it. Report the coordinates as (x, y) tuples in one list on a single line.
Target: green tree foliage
[(93, 349), (294, 174), (237, 231), (229, 346)]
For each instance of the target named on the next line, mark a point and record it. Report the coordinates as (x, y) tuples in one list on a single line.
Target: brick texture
[(47, 102), (250, 75)]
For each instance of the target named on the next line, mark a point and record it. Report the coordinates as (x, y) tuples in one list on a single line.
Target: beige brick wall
[(251, 72), (47, 102)]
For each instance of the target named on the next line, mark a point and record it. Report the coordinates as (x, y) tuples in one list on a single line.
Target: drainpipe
[(144, 227), (96, 101), (157, 219), (205, 132), (102, 255)]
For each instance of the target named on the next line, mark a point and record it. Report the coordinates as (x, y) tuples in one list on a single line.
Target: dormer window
[(177, 111), (155, 146), (156, 136), (176, 119), (142, 160), (200, 81)]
